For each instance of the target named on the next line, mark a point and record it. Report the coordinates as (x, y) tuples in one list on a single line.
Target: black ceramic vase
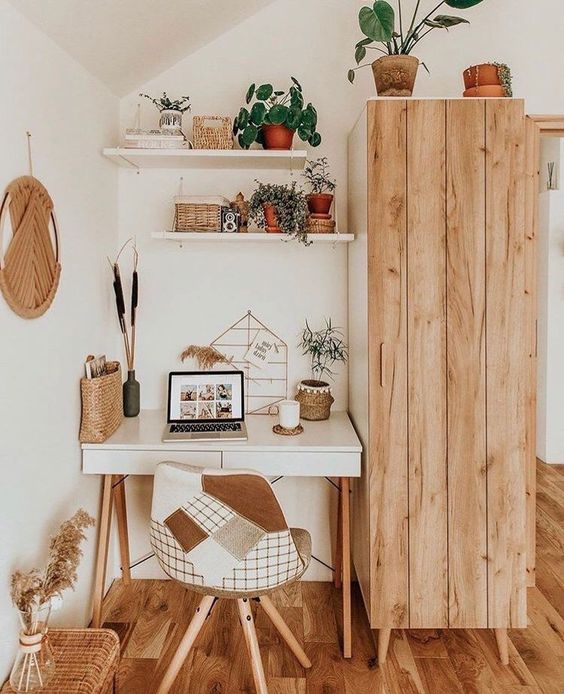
[(131, 396)]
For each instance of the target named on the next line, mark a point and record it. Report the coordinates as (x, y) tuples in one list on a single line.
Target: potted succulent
[(275, 117), (280, 209), (171, 111), (325, 347), (395, 72), (488, 79), (322, 185)]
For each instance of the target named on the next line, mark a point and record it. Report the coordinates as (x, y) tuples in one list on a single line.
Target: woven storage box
[(86, 662), (198, 213), (102, 405), (320, 226), (212, 132)]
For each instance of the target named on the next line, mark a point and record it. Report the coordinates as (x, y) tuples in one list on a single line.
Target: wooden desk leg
[(338, 561), (121, 515), (502, 644), (104, 527), (346, 552)]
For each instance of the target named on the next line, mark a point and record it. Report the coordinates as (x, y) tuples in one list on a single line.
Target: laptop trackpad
[(204, 435)]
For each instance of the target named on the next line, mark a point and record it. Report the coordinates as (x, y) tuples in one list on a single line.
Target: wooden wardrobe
[(442, 335)]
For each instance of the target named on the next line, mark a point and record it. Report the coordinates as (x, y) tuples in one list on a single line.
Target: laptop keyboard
[(198, 428)]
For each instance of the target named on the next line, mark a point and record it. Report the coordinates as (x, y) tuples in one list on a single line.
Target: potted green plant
[(325, 347), (322, 185), (395, 72), (170, 110), (488, 79), (275, 117), (280, 209)]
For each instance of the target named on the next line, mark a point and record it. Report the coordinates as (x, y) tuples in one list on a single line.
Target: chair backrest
[(223, 529)]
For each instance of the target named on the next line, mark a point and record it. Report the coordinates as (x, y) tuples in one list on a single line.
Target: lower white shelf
[(196, 237)]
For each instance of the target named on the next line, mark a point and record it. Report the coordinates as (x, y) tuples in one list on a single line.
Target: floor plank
[(151, 616)]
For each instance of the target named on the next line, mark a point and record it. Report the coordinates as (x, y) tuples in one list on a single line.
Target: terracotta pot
[(480, 75), (277, 137), (319, 203), (395, 75), (487, 90), (271, 220)]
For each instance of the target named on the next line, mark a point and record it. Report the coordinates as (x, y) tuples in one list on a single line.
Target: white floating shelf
[(196, 237), (130, 158)]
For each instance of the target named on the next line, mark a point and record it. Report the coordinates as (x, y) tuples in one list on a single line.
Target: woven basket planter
[(212, 132), (315, 400), (198, 213), (320, 226), (102, 405)]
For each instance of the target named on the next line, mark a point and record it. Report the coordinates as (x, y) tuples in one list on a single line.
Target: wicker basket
[(102, 405), (320, 226), (197, 213), (315, 400), (212, 132)]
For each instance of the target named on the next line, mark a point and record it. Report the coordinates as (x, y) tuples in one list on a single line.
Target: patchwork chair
[(223, 534)]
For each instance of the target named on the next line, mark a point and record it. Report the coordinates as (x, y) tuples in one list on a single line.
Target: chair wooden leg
[(104, 527), (284, 631), (121, 515), (248, 624), (338, 575), (194, 628), (502, 645), (383, 643)]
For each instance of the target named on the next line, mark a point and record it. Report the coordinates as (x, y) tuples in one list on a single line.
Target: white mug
[(289, 413)]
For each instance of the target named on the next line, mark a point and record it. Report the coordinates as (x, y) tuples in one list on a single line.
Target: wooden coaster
[(277, 429)]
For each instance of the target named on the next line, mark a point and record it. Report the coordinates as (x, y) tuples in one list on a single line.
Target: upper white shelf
[(261, 237), (130, 158)]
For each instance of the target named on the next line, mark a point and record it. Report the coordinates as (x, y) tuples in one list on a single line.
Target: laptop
[(205, 406)]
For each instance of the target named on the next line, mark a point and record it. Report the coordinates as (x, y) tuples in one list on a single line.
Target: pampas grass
[(207, 357)]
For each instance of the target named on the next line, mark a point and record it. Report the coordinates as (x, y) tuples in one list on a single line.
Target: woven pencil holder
[(320, 226), (212, 132), (315, 400), (102, 405)]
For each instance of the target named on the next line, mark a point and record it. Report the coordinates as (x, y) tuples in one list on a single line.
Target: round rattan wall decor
[(30, 268)]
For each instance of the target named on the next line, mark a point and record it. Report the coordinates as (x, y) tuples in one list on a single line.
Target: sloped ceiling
[(127, 42)]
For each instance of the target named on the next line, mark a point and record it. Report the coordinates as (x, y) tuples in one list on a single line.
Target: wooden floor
[(150, 617)]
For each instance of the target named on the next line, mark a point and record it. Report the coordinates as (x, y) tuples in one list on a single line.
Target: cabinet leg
[(338, 561), (346, 560), (105, 525), (383, 643), (502, 645), (121, 515)]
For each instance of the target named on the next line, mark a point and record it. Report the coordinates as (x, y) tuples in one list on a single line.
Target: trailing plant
[(318, 176), (505, 78), (276, 107), (289, 203), (325, 347), (166, 104), (378, 24)]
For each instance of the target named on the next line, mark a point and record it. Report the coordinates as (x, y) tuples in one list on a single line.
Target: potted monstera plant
[(275, 117), (396, 37)]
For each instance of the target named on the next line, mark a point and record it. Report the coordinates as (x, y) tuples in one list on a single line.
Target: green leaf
[(298, 85), (296, 98), (304, 133), (250, 93), (308, 119), (360, 54), (241, 142), (315, 140), (278, 114), (350, 76), (258, 112), (235, 125), (364, 42), (243, 118), (249, 134), (444, 21), (264, 92), (294, 117), (377, 22), (260, 137), (462, 4), (278, 93)]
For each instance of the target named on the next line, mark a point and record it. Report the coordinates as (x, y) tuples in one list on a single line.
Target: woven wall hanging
[(30, 268)]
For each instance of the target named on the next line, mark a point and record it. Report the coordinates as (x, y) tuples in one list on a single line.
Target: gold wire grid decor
[(265, 384)]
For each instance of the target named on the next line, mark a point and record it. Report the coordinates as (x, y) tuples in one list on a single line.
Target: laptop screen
[(196, 396)]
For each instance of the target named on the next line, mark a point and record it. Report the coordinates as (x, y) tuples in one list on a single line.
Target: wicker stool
[(86, 662)]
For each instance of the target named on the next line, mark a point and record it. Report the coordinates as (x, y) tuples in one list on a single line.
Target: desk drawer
[(120, 462), (295, 464)]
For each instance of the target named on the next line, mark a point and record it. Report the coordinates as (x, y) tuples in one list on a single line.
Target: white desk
[(326, 449)]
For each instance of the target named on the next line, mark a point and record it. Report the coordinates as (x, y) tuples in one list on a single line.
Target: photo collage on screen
[(206, 401)]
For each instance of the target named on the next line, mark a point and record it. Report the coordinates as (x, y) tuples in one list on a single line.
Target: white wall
[(70, 116), (550, 400)]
